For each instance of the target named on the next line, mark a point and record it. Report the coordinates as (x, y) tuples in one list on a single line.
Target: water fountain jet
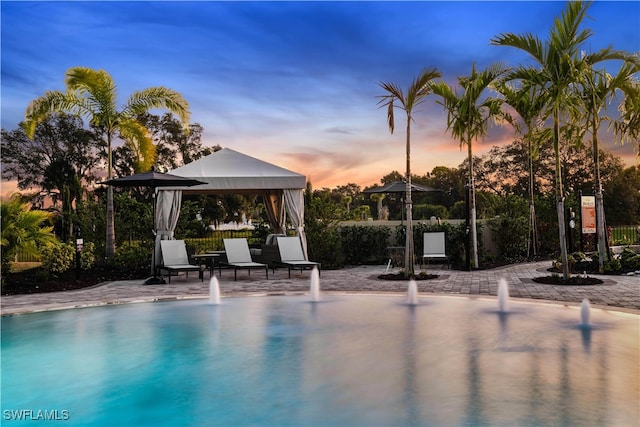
[(412, 293), (585, 313), (214, 291), (503, 296), (315, 285)]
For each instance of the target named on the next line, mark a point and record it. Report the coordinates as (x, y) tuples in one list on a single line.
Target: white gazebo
[(228, 171)]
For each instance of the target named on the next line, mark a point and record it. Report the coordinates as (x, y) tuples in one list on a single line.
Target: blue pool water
[(352, 360)]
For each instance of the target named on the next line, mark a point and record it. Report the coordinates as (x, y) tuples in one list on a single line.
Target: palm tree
[(560, 60), (627, 127), (528, 102), (597, 89), (92, 94), (467, 119), (23, 229), (416, 94)]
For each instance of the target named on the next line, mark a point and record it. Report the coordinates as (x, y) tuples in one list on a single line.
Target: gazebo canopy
[(227, 170)]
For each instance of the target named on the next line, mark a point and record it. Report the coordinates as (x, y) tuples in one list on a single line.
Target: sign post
[(588, 214)]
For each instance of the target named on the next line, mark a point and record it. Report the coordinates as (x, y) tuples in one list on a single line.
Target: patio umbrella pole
[(154, 280), (153, 180)]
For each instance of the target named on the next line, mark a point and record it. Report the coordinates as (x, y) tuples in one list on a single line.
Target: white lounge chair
[(434, 247), (291, 255), (239, 257), (175, 258)]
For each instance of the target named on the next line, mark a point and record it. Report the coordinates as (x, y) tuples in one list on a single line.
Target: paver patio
[(621, 292)]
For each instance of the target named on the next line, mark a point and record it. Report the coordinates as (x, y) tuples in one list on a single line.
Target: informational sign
[(588, 214)]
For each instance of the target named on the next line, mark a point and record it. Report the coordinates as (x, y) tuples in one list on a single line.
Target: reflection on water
[(351, 360)]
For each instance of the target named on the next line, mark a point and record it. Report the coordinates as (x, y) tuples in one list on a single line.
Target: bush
[(426, 211), (510, 236), (58, 258), (629, 260), (131, 257), (364, 245), (324, 246), (612, 266), (88, 256)]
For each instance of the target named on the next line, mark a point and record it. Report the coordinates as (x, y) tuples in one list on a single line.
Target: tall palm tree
[(597, 89), (417, 92), (92, 94), (559, 59), (468, 116), (528, 101)]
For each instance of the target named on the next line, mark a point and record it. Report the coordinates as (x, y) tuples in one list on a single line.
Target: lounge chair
[(175, 258), (291, 255), (434, 247), (239, 257)]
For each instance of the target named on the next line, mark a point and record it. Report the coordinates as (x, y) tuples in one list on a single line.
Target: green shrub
[(131, 257), (88, 256), (58, 258), (510, 236), (612, 266), (196, 246), (260, 231), (324, 245), (426, 211), (629, 260), (364, 244)]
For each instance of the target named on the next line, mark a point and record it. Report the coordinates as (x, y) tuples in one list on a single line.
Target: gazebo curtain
[(274, 204), (168, 204), (294, 201)]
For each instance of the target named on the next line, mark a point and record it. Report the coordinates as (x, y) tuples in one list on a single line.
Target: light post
[(467, 242)]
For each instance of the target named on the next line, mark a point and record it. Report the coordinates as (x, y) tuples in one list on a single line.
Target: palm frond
[(158, 97), (95, 86), (565, 34), (40, 108), (137, 137), (527, 43)]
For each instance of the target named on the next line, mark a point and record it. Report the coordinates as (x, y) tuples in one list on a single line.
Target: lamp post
[(467, 242), (79, 243)]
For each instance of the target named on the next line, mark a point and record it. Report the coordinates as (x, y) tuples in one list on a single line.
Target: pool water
[(349, 360)]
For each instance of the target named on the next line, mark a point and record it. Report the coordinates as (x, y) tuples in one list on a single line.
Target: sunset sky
[(292, 83)]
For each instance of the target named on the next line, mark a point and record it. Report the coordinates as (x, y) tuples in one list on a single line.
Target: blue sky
[(293, 83)]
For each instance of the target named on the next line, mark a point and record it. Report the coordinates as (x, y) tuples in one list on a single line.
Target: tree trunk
[(560, 197), (533, 228), (472, 208), (600, 222), (408, 251), (110, 247), (379, 205)]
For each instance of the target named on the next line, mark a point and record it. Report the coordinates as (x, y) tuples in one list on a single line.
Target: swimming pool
[(349, 360)]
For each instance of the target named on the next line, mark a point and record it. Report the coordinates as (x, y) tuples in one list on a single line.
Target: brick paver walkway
[(622, 292)]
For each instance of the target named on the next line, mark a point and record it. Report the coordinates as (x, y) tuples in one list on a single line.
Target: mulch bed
[(400, 276), (31, 282), (571, 281)]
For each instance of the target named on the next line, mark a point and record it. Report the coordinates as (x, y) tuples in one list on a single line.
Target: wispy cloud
[(291, 82)]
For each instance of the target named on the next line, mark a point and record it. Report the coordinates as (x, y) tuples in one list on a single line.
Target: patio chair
[(291, 255), (434, 247), (175, 258), (239, 257)]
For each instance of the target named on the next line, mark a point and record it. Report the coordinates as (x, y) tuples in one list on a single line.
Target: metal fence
[(625, 235), (211, 242), (619, 235)]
